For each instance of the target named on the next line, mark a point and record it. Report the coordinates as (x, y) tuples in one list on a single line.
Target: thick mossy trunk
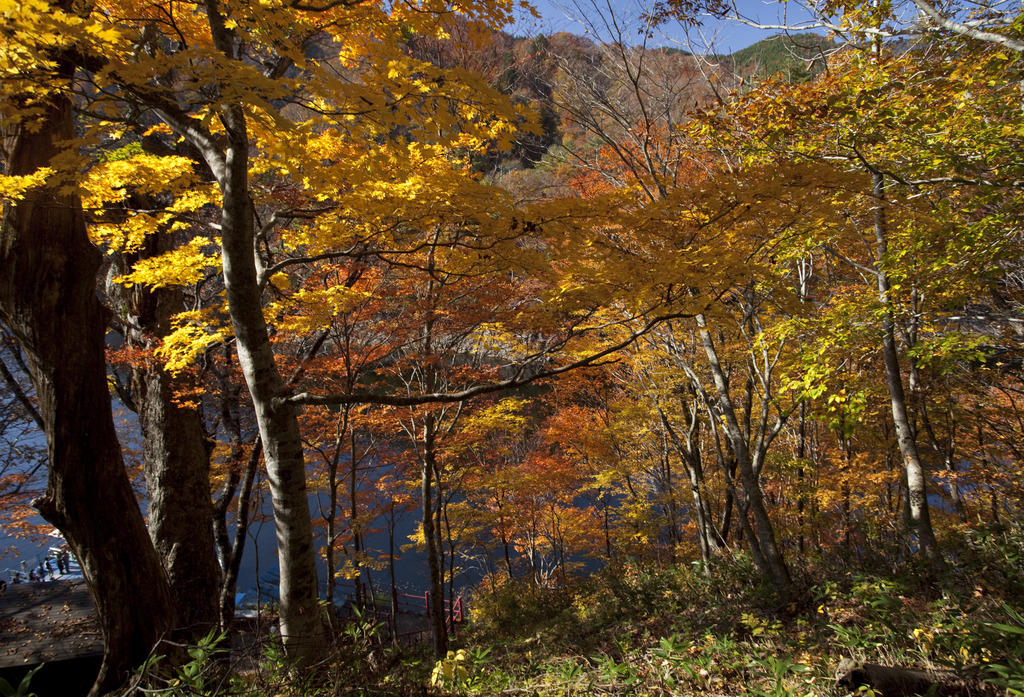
[(48, 299)]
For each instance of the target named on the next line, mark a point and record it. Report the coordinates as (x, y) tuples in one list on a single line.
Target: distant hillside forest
[(796, 57), (601, 323), (553, 73)]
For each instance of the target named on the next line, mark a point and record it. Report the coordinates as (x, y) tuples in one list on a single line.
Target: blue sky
[(584, 17)]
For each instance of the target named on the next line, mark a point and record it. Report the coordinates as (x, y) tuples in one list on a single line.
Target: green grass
[(641, 629)]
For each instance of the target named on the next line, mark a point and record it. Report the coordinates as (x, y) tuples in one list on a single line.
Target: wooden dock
[(47, 622)]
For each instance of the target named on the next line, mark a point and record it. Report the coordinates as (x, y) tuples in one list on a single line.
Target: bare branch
[(308, 7), (520, 379), (941, 21)]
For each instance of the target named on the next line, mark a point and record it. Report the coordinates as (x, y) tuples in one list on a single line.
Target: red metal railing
[(455, 612)]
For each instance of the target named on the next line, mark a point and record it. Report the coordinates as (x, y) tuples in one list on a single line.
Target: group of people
[(44, 572)]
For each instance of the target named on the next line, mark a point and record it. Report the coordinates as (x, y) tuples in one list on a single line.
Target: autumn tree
[(932, 223), (48, 301), (231, 44), (176, 452), (631, 121), (216, 44)]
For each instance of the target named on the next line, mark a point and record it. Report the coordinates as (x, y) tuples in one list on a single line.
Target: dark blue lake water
[(260, 556)]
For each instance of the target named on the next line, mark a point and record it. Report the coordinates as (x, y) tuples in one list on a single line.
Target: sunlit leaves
[(183, 266), (112, 183), (14, 187), (193, 332), (315, 309), (34, 29)]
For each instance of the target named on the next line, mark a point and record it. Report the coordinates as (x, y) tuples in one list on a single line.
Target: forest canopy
[(569, 301)]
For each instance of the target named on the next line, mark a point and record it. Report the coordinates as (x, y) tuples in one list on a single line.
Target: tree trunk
[(392, 522), (175, 461), (355, 524), (331, 517), (505, 546), (240, 480), (801, 454), (668, 495), (48, 299), (696, 473), (427, 467), (753, 500), (231, 550), (180, 513), (302, 628), (227, 155), (946, 450), (917, 491)]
